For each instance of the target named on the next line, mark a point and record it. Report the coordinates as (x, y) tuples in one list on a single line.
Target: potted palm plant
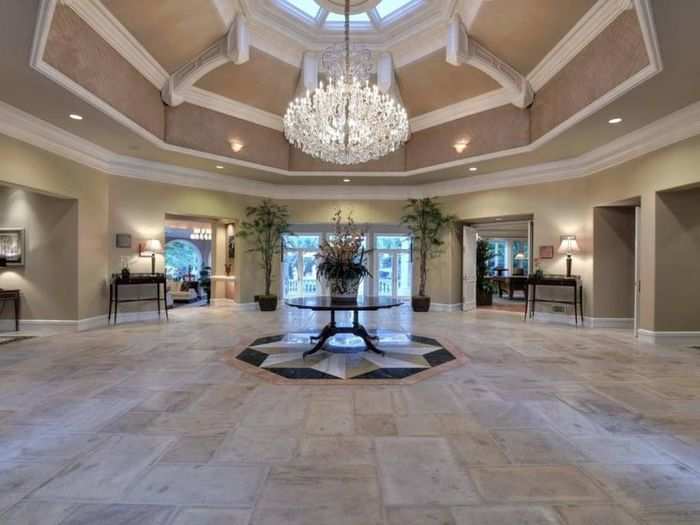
[(426, 221), (265, 226), (341, 260), (484, 287)]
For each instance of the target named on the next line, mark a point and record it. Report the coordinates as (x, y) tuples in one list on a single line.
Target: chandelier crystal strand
[(346, 120)]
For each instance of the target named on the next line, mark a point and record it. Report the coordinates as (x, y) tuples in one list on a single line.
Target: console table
[(136, 279), (574, 283), (325, 304), (7, 296)]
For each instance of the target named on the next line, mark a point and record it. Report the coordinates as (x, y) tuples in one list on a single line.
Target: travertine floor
[(147, 424)]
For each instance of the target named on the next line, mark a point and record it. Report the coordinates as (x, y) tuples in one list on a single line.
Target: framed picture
[(546, 252), (231, 247), (123, 240), (12, 246)]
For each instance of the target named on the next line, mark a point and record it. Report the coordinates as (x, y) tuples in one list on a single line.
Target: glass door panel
[(290, 277), (403, 274), (310, 287), (299, 267), (385, 274)]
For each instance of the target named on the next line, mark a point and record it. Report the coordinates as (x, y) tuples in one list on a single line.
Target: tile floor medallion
[(407, 358)]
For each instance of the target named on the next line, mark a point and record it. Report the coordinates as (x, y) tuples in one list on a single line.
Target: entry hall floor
[(542, 425)]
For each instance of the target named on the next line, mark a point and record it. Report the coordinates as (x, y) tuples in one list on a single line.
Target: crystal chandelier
[(346, 120)]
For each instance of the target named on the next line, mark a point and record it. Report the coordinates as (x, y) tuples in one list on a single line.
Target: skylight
[(358, 18), (386, 8), (308, 7)]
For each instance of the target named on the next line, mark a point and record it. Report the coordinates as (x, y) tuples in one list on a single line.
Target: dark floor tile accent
[(301, 373), (252, 357), (268, 339), (424, 340), (439, 357), (389, 373)]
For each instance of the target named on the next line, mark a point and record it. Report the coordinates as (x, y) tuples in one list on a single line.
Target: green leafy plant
[(426, 221), (484, 254), (265, 227), (342, 258)]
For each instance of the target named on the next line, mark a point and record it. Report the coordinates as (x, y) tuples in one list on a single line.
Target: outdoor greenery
[(484, 253), (264, 228), (426, 222), (182, 258), (342, 257)]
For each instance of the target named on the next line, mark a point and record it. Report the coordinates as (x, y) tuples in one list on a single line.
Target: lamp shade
[(568, 244), (520, 256), (151, 246)]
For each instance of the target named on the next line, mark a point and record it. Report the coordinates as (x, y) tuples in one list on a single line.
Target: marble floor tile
[(426, 398), (37, 513), (635, 486), (537, 447), (419, 516), (686, 451), (506, 415), (195, 423), (205, 516), (256, 445), (335, 450), (92, 514), (596, 515), (18, 479), (421, 471), (193, 449), (333, 513), (29, 443), (233, 486), (507, 515), (130, 423), (319, 486), (535, 484), (107, 471), (683, 514), (565, 419), (330, 417), (373, 402), (477, 449), (379, 425), (622, 449)]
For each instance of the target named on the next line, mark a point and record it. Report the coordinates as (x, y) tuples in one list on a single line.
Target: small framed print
[(546, 252), (123, 240), (12, 246)]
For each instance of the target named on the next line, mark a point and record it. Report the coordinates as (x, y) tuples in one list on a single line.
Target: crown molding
[(105, 24), (233, 108), (471, 106), (673, 128), (594, 22)]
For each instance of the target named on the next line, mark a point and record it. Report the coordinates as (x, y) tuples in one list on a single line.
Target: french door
[(393, 266), (299, 267)]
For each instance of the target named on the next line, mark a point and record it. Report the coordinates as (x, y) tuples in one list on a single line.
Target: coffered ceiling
[(168, 34)]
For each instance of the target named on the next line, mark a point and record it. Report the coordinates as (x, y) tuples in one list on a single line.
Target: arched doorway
[(182, 258)]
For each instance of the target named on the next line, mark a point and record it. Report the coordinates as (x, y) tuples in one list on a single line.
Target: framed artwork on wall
[(546, 252), (123, 240), (12, 246), (231, 247)]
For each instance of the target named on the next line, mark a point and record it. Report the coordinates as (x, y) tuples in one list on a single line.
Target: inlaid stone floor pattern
[(542, 425)]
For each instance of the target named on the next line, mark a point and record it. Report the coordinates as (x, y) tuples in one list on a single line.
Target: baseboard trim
[(663, 336), (445, 307), (610, 322)]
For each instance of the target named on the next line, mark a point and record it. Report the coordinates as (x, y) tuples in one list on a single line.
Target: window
[(387, 8), (182, 258), (393, 265), (500, 259), (393, 242), (357, 18), (299, 266), (308, 7), (519, 254)]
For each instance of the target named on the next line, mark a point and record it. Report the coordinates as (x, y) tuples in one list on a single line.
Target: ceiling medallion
[(346, 120)]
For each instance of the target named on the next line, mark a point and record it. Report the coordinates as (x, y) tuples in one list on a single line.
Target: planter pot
[(344, 291), (484, 298), (267, 303), (420, 303)]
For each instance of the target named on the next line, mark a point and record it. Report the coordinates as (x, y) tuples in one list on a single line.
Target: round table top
[(325, 303)]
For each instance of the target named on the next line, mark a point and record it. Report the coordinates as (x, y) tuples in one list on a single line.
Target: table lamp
[(568, 246), (149, 249)]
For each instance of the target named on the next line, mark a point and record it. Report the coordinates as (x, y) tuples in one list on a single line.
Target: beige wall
[(109, 205), (678, 260), (613, 262), (49, 279)]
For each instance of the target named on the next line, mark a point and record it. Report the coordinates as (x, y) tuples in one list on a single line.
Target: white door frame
[(637, 276), (468, 269)]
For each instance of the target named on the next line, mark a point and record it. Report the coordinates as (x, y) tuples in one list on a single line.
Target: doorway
[(500, 283), (188, 260)]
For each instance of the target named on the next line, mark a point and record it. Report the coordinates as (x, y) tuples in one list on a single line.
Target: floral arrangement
[(342, 258)]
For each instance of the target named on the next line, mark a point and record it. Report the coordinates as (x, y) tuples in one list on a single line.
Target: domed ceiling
[(488, 84)]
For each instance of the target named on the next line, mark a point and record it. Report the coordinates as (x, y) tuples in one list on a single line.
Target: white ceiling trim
[(595, 21), (673, 128), (206, 99), (471, 106), (105, 24)]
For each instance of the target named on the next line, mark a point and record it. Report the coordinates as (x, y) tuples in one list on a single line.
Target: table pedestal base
[(332, 329)]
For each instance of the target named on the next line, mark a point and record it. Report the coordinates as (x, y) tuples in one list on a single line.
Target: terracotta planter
[(267, 303), (420, 303), (484, 298)]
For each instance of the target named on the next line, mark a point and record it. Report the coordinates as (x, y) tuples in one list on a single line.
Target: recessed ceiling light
[(236, 145), (75, 116), (615, 120), (219, 167), (347, 180), (461, 145), (473, 168)]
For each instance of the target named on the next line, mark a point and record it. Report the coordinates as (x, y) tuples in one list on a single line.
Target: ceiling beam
[(232, 47), (462, 49)]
